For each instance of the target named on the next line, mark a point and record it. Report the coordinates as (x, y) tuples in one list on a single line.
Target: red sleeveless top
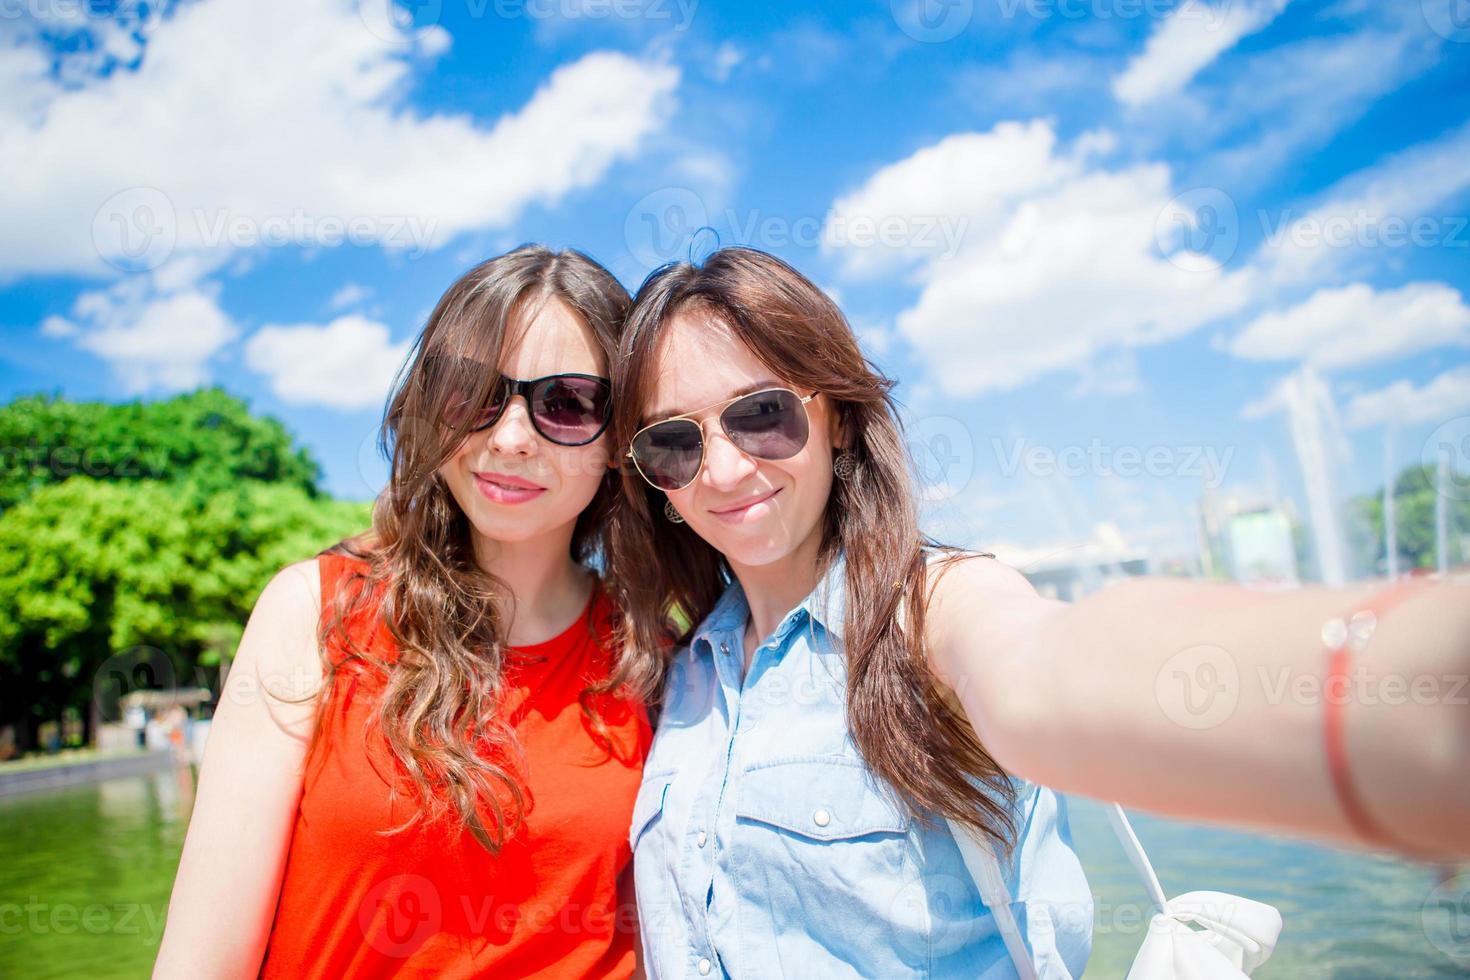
[(431, 901)]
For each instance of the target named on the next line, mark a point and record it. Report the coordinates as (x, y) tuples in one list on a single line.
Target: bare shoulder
[(968, 576), (293, 596), (978, 607), (297, 586), (280, 641)]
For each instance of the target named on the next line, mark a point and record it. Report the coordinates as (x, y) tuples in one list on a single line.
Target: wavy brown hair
[(440, 700), (909, 732)]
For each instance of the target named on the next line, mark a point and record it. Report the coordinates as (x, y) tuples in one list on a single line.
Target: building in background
[(1073, 570), (1249, 540)]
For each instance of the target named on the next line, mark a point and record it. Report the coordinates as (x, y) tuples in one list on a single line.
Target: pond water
[(87, 870)]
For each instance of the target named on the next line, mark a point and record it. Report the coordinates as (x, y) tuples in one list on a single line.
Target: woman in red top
[(424, 759)]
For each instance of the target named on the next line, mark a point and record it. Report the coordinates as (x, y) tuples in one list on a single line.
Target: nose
[(725, 466), (512, 433)]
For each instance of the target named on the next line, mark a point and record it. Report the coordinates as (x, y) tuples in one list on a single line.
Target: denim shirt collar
[(825, 605)]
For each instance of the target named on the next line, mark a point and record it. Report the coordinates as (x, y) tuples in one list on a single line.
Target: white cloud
[(966, 183), (151, 340), (350, 294), (1355, 325), (1028, 82), (1402, 403), (1265, 406), (1192, 36), (726, 59), (1109, 376), (322, 128), (58, 326), (1059, 261), (346, 364), (1375, 210), (1276, 105)]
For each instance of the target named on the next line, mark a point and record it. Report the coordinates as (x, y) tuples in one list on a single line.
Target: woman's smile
[(753, 508)]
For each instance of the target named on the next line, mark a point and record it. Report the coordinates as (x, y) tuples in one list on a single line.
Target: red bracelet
[(1342, 640)]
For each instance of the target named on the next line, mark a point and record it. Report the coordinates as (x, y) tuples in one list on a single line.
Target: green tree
[(206, 436), (1415, 495), (141, 524), (91, 568)]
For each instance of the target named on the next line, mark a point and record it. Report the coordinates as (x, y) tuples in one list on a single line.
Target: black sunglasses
[(567, 409), (768, 424)]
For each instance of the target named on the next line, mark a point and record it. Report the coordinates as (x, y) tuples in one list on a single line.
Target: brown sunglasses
[(767, 424)]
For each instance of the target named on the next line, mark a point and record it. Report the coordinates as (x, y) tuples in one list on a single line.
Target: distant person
[(135, 716)]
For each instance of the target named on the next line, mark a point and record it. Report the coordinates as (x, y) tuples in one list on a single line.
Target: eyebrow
[(672, 413)]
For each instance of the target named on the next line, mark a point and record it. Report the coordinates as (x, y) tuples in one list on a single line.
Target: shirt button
[(724, 647), (704, 967), (700, 840), (821, 818)]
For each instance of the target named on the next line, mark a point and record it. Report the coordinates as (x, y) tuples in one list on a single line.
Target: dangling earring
[(673, 515), (844, 465)]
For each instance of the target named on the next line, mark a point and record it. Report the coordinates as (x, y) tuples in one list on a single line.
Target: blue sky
[(1097, 241)]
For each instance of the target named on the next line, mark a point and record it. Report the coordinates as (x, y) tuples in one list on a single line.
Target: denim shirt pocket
[(649, 804), (821, 862), (821, 798)]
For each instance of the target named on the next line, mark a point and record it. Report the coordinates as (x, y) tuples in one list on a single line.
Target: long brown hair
[(909, 733), (438, 710)]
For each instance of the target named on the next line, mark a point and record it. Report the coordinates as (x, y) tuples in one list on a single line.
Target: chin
[(753, 550)]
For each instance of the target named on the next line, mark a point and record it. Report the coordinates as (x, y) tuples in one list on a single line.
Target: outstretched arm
[(1205, 701)]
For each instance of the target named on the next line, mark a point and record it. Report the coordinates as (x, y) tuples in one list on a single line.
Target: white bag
[(1234, 935)]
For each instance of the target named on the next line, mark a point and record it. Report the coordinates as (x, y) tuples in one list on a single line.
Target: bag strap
[(984, 868), (1124, 831)]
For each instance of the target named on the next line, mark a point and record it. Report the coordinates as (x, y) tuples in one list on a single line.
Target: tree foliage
[(1415, 496), (142, 525), (207, 436)]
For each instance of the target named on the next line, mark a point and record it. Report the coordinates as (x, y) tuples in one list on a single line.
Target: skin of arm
[(229, 877), (1204, 701)]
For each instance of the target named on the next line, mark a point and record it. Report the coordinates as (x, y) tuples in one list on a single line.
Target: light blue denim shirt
[(764, 847)]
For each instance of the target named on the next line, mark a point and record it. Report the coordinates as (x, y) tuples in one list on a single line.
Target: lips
[(512, 482), (502, 488), (741, 507)]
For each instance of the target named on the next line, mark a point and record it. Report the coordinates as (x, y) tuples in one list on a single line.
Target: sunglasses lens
[(669, 453), (767, 424), (457, 413), (492, 411), (571, 410)]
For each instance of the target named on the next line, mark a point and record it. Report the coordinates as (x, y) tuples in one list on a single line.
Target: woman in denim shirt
[(756, 798), (839, 690)]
